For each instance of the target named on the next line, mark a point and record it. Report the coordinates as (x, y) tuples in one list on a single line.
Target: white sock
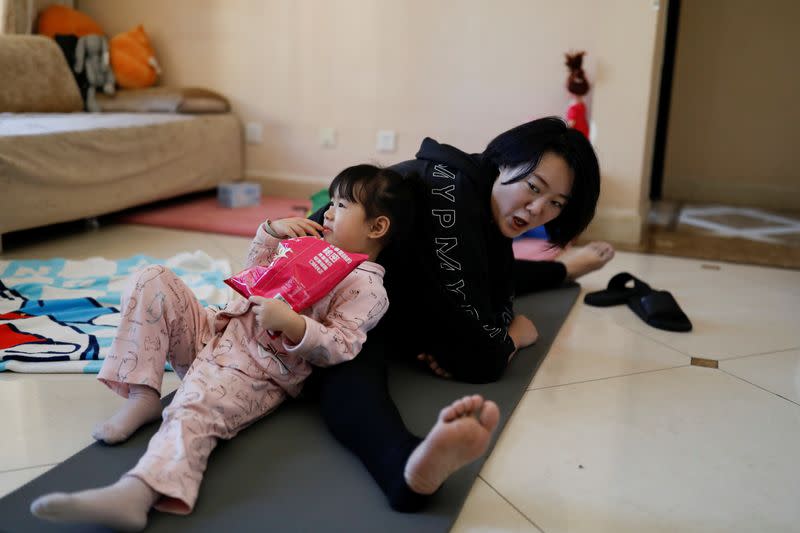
[(143, 405), (123, 505)]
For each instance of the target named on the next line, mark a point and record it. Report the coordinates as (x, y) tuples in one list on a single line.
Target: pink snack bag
[(304, 270)]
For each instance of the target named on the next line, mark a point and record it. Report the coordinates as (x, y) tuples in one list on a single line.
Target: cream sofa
[(58, 163)]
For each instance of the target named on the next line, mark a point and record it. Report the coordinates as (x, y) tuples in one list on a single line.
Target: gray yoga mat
[(287, 473)]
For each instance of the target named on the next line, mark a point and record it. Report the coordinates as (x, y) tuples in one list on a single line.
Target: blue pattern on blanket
[(61, 315)]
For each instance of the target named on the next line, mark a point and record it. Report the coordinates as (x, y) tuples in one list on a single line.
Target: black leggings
[(361, 414)]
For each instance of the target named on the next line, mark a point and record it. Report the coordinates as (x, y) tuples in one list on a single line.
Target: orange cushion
[(132, 58), (61, 19)]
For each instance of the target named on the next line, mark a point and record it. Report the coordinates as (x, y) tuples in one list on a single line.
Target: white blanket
[(12, 124)]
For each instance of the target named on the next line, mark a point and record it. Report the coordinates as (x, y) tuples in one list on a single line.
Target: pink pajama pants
[(218, 397)]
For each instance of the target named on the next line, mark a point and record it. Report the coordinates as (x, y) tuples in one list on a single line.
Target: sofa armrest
[(36, 77)]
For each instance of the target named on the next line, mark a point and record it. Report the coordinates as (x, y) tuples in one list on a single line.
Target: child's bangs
[(353, 188)]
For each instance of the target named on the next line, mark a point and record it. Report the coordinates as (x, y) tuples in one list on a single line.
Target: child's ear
[(379, 227)]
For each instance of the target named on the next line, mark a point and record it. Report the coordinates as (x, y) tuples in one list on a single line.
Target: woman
[(451, 292)]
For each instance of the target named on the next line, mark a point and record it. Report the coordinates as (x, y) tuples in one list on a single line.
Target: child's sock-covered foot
[(143, 405), (122, 506)]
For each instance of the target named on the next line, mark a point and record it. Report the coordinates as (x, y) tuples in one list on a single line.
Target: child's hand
[(296, 227), (276, 316)]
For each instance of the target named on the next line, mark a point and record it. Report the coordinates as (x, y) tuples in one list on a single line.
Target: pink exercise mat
[(206, 215)]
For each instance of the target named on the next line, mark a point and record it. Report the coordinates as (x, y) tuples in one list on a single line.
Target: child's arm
[(355, 309), (269, 234)]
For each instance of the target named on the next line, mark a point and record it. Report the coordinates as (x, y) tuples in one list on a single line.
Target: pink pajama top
[(336, 325)]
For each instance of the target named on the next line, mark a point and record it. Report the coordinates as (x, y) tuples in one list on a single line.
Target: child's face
[(534, 200), (346, 225)]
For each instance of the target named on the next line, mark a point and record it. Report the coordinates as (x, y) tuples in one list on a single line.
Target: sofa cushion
[(36, 77), (164, 100)]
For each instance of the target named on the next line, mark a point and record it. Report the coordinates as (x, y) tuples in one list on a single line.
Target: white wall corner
[(617, 225)]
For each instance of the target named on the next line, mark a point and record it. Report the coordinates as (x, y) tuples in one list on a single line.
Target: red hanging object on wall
[(578, 86)]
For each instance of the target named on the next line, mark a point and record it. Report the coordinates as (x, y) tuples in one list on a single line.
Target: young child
[(232, 372)]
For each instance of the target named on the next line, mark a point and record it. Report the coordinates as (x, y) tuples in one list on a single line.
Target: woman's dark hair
[(380, 191), (524, 146)]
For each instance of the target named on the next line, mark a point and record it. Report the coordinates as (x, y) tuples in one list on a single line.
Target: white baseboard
[(618, 225), (288, 185)]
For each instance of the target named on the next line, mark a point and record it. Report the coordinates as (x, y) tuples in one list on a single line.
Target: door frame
[(665, 95)]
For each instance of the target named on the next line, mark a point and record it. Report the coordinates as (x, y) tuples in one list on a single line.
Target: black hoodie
[(460, 283)]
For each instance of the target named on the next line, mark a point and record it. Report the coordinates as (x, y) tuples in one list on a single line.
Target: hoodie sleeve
[(471, 349), (356, 307), (477, 351), (469, 304)]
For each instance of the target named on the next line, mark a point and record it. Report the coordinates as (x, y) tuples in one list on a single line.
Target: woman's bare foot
[(142, 406), (460, 436), (581, 260)]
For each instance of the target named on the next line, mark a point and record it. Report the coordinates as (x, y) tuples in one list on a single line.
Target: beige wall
[(460, 71), (734, 115)]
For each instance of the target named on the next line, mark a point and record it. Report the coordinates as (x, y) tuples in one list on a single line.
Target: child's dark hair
[(379, 191), (524, 146)]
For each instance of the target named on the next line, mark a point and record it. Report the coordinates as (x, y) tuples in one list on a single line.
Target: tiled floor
[(745, 235), (616, 433)]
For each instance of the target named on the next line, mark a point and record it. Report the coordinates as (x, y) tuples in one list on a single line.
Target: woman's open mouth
[(519, 223)]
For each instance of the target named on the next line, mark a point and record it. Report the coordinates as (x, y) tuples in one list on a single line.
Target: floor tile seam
[(657, 341), (647, 337), (687, 365), (772, 352), (178, 233), (21, 468), (740, 378), (698, 356), (526, 517), (222, 250), (227, 253), (212, 238)]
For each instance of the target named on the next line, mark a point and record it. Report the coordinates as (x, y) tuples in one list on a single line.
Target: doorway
[(725, 168)]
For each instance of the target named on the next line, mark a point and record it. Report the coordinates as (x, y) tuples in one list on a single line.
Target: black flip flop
[(658, 309), (618, 291)]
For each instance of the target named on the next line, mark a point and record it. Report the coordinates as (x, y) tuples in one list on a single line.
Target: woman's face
[(534, 200)]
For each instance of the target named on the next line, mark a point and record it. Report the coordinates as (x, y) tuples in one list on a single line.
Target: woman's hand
[(276, 316), (522, 332), (295, 227), (431, 361)]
